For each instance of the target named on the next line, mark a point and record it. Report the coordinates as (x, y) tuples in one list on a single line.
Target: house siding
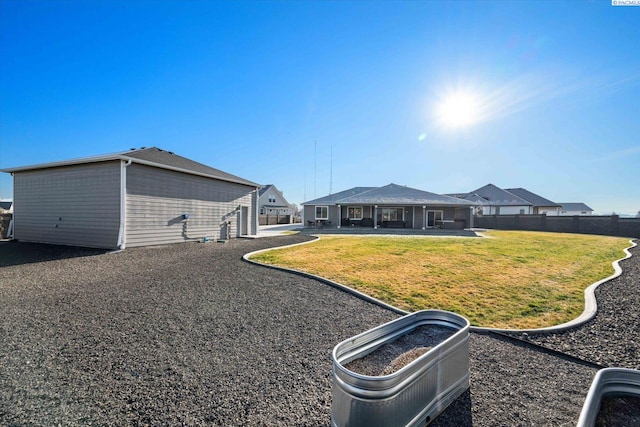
[(71, 205), (157, 199), (505, 210)]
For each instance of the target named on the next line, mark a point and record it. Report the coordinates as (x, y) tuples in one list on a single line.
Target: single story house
[(575, 208), (271, 201), (140, 197), (492, 200), (393, 206), (540, 204)]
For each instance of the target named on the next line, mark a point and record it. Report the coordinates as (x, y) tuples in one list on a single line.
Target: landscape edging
[(590, 310)]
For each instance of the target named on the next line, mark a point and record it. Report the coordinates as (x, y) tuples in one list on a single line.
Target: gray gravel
[(192, 335), (612, 338)]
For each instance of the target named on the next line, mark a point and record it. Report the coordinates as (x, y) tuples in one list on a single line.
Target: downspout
[(123, 203), (12, 223)]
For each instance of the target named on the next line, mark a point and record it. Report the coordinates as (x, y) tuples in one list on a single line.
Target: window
[(390, 214), (355, 212), (521, 211), (272, 198), (322, 212)]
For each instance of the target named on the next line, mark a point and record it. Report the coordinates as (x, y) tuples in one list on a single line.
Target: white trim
[(395, 208), (413, 216), (110, 157), (355, 207), (316, 212), (434, 218), (123, 204)]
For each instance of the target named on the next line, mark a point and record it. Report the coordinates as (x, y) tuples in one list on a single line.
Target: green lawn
[(510, 279)]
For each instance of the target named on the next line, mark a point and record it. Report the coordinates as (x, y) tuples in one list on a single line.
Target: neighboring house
[(570, 209), (492, 200), (389, 206), (134, 198), (6, 207), (540, 204), (271, 201)]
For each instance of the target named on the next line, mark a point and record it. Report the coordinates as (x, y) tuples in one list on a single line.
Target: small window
[(355, 212), (521, 211), (272, 199), (322, 212)]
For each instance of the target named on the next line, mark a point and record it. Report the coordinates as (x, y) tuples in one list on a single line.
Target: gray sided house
[(575, 208), (492, 200), (134, 198), (540, 204), (391, 206)]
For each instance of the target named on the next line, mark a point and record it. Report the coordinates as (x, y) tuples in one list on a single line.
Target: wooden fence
[(274, 219)]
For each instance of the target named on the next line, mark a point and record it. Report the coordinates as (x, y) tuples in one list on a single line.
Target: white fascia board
[(109, 157), (93, 159), (172, 168)]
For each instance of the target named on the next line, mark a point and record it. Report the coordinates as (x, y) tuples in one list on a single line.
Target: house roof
[(531, 197), (335, 197), (496, 196), (152, 156), (574, 206), (5, 205), (391, 194), (264, 189)]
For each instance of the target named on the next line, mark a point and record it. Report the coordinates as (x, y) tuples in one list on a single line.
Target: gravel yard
[(190, 334)]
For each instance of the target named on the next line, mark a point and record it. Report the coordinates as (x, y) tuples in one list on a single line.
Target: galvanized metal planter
[(411, 396), (613, 383)]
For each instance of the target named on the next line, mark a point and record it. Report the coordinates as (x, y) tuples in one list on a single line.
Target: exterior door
[(244, 220), (434, 218)]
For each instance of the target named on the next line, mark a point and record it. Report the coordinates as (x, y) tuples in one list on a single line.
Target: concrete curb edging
[(358, 294), (590, 310), (590, 304)]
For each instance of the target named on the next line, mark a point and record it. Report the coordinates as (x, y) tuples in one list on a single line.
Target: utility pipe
[(123, 203)]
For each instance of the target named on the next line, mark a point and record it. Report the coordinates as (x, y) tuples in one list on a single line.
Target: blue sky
[(319, 96)]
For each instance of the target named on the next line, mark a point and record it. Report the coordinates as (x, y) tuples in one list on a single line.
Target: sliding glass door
[(434, 218)]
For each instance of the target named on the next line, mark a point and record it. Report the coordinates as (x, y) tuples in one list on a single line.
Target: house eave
[(112, 157)]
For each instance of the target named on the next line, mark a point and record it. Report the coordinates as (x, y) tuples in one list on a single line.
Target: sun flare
[(458, 110)]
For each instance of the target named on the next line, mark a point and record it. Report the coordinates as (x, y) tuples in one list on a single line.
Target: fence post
[(576, 224), (615, 226), (543, 222)]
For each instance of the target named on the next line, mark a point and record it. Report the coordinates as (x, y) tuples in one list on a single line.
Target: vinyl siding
[(72, 205), (157, 199)]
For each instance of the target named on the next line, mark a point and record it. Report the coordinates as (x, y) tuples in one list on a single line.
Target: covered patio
[(389, 207)]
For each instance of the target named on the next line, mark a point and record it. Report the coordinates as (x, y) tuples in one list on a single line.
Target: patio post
[(339, 215), (424, 217), (375, 217)]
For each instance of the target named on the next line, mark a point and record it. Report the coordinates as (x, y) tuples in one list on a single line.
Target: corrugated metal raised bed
[(402, 373), (613, 399)]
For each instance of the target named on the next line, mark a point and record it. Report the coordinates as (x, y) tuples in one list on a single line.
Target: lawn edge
[(589, 312)]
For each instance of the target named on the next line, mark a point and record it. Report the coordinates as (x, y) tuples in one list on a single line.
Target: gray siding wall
[(158, 198), (71, 205)]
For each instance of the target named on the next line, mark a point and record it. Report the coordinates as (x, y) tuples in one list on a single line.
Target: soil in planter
[(395, 355), (619, 411)]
